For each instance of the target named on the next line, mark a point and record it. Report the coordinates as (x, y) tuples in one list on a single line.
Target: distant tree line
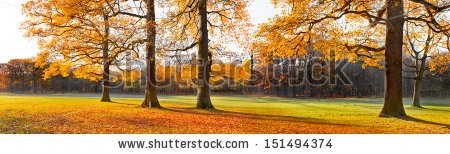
[(21, 76), (282, 78)]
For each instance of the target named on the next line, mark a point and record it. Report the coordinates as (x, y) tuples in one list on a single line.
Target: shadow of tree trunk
[(409, 118)]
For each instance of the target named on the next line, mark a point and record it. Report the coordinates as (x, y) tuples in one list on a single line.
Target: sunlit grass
[(234, 114)]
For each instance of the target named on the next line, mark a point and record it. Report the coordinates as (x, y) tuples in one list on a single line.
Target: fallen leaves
[(58, 115)]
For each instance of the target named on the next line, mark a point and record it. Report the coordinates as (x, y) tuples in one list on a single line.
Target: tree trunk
[(151, 98), (23, 81), (34, 79), (420, 71), (252, 75), (106, 63), (106, 84), (416, 96), (204, 61), (393, 103), (178, 78)]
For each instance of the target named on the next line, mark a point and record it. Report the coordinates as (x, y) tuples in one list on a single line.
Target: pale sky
[(14, 45)]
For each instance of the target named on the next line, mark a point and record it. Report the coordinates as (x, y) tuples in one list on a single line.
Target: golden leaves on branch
[(72, 35)]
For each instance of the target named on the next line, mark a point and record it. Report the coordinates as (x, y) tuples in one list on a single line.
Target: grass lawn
[(235, 114)]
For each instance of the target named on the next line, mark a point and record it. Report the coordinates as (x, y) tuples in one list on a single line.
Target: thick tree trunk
[(393, 103), (106, 84), (204, 61), (151, 98), (106, 63)]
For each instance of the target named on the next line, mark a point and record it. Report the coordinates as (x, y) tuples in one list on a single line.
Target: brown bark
[(151, 98), (393, 103), (416, 96), (106, 63), (204, 61), (106, 84), (420, 64), (420, 71), (35, 78)]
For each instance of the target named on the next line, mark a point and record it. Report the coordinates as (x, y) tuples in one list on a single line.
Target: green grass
[(234, 114)]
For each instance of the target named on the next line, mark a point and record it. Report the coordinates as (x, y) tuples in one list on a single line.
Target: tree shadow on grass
[(120, 103), (256, 116), (439, 110), (218, 112), (427, 109), (408, 118)]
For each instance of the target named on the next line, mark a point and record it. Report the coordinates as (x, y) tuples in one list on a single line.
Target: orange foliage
[(78, 35), (131, 119), (3, 81)]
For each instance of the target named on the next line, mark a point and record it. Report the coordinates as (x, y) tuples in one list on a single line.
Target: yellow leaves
[(187, 76), (90, 72), (41, 59), (239, 73), (275, 41), (73, 31), (321, 25), (422, 43), (372, 62), (247, 65), (228, 21), (440, 63), (134, 76), (246, 114), (57, 68)]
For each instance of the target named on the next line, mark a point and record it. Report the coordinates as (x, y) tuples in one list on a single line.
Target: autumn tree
[(144, 9), (151, 99), (354, 30), (19, 75), (425, 53), (204, 25), (84, 36), (3, 77)]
